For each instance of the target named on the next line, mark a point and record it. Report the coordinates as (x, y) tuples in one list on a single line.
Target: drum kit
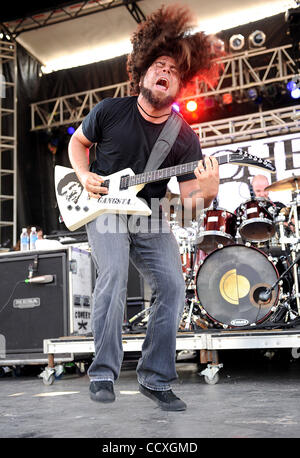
[(241, 269)]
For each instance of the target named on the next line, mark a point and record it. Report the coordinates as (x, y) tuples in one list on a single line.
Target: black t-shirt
[(125, 139)]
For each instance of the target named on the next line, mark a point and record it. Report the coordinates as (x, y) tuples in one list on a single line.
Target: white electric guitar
[(77, 209)]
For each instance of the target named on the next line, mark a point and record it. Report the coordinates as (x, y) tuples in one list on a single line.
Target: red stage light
[(191, 106), (227, 98)]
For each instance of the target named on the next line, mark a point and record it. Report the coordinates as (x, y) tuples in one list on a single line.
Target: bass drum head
[(229, 282)]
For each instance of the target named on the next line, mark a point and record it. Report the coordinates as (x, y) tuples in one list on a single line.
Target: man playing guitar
[(164, 58)]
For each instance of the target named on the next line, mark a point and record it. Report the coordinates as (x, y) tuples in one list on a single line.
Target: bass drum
[(228, 285)]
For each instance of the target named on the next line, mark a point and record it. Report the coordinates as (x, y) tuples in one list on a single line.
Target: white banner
[(283, 151)]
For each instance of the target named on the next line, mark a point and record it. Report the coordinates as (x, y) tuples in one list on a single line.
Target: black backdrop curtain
[(36, 198), (27, 186), (36, 161)]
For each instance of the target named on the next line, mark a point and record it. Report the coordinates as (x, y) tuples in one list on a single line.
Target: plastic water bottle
[(24, 240), (33, 238)]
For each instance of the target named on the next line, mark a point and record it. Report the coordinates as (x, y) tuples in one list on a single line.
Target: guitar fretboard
[(167, 173)]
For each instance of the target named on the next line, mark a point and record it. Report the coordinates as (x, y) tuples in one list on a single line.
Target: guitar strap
[(164, 142)]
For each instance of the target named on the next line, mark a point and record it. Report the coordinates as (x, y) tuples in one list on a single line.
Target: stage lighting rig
[(191, 106), (293, 87), (294, 83), (257, 39), (4, 36), (237, 42)]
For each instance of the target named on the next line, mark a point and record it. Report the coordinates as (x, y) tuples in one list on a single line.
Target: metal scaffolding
[(251, 69), (67, 12), (237, 73), (8, 143), (71, 109), (249, 127)]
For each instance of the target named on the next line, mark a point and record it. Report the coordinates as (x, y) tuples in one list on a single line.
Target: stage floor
[(257, 396)]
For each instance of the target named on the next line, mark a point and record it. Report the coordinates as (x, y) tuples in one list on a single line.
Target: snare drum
[(255, 219), (216, 227)]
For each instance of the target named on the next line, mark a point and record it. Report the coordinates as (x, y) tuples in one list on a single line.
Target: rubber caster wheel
[(49, 381), (212, 380)]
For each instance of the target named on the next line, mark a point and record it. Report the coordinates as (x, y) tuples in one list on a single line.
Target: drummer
[(259, 185)]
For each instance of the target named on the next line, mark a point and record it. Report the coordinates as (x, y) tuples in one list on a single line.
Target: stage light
[(227, 98), (4, 36), (71, 130), (257, 38), (272, 91), (237, 42), (191, 106), (291, 86), (252, 94), (217, 46), (294, 83), (295, 94)]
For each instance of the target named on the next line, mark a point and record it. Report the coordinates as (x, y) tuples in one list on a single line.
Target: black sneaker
[(166, 400), (102, 391)]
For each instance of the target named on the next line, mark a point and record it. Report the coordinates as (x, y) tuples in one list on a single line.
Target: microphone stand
[(252, 194), (294, 212), (265, 295), (215, 203)]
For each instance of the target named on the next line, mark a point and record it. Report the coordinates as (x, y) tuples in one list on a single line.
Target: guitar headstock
[(243, 158)]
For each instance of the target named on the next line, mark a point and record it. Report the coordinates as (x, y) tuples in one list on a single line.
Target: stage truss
[(249, 127), (238, 73), (8, 142), (70, 12)]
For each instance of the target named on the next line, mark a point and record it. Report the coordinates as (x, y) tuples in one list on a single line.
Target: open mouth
[(162, 83)]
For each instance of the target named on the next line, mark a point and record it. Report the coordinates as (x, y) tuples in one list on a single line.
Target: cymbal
[(287, 184), (285, 211)]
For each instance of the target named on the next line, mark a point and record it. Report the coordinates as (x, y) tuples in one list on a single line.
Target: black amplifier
[(44, 294)]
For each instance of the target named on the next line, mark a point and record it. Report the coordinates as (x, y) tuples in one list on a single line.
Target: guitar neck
[(168, 172)]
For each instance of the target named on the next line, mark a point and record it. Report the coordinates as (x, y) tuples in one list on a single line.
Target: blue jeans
[(156, 256)]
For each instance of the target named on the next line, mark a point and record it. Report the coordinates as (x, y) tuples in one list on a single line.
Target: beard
[(156, 102)]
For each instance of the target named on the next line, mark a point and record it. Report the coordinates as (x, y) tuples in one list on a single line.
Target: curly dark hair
[(167, 32)]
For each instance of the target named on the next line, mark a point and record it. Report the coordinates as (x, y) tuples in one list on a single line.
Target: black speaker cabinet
[(30, 312), (138, 293), (135, 285)]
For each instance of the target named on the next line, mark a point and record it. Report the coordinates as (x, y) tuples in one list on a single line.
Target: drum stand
[(189, 317), (189, 282), (294, 241)]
